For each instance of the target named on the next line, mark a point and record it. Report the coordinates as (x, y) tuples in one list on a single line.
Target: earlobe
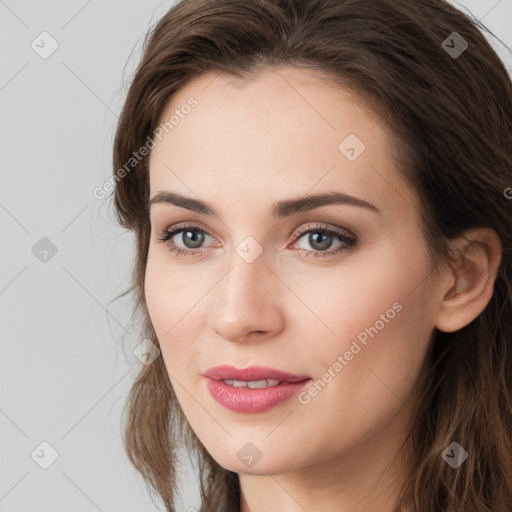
[(471, 278)]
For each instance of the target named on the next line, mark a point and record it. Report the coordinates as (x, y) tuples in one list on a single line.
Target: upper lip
[(251, 373)]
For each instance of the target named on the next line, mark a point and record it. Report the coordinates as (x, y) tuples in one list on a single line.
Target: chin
[(260, 468), (250, 461)]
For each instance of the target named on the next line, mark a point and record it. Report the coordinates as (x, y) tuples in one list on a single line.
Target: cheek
[(170, 292), (366, 382), (380, 325), (373, 292), (382, 350), (170, 298)]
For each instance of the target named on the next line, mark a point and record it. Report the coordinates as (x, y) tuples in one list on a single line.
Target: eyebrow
[(283, 208)]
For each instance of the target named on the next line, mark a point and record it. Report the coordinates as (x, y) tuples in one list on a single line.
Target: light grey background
[(67, 351)]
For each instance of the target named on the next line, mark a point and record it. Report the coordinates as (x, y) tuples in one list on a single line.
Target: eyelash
[(348, 240)]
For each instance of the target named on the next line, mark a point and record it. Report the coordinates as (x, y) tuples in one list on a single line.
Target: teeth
[(253, 384)]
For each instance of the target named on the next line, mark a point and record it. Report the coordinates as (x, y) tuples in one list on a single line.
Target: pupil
[(196, 239), (323, 245)]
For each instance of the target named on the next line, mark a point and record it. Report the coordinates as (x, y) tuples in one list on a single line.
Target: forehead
[(280, 134)]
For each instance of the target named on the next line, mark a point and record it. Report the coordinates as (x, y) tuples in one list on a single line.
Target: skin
[(246, 145)]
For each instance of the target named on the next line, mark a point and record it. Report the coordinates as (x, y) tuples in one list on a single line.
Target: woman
[(320, 191)]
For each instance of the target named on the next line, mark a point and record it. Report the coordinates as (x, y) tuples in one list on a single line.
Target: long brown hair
[(451, 119)]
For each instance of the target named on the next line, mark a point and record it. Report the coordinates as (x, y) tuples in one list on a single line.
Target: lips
[(254, 389), (252, 373)]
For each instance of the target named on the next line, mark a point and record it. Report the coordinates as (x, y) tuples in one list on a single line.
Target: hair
[(450, 121)]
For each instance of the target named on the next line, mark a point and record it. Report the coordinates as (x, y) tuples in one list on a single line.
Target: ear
[(469, 282)]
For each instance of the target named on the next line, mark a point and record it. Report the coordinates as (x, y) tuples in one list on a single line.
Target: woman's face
[(337, 292)]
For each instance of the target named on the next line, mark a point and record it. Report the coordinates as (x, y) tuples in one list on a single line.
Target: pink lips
[(247, 399)]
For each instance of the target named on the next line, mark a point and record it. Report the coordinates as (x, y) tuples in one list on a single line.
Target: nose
[(247, 304)]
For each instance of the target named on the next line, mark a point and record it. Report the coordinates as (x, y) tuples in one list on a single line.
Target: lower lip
[(252, 400)]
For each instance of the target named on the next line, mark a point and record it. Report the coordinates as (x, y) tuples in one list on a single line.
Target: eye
[(320, 238), (191, 236)]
